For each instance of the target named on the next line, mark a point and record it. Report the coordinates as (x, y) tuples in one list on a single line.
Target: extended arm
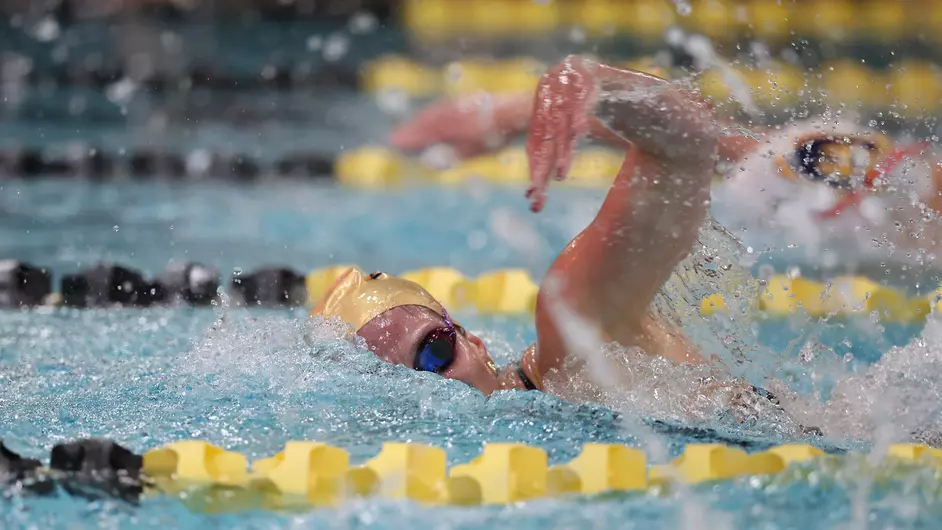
[(483, 122), (470, 125)]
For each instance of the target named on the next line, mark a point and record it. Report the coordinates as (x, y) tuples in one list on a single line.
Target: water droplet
[(336, 46), (578, 35), (363, 22), (766, 271), (46, 30), (477, 240), (121, 91)]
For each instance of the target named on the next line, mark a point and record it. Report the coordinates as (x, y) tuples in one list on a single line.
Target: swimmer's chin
[(508, 379)]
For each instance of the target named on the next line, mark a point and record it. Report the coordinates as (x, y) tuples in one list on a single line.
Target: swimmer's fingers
[(540, 143), (560, 115), (565, 138), (573, 123), (541, 165), (570, 114)]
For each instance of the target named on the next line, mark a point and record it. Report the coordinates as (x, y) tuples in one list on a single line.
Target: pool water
[(250, 380)]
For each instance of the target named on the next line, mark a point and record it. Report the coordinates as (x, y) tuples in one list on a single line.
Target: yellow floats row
[(911, 87), (514, 292), (376, 167), (842, 297), (319, 474), (725, 20)]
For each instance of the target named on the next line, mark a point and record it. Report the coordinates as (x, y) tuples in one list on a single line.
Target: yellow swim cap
[(357, 298)]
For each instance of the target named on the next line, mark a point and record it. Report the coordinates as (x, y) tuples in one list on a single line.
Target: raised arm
[(610, 273)]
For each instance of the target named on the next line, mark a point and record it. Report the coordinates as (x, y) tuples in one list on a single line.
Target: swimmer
[(610, 273), (849, 195)]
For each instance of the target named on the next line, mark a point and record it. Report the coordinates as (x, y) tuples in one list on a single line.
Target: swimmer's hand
[(562, 110), (470, 125)]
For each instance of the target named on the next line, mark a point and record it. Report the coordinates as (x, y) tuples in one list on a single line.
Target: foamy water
[(252, 380)]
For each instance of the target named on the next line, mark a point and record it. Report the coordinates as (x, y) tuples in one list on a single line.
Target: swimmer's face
[(401, 334)]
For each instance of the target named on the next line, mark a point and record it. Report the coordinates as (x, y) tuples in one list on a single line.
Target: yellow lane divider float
[(382, 168), (514, 292), (845, 296), (308, 474)]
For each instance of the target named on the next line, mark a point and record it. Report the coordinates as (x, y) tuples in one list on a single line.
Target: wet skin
[(396, 335)]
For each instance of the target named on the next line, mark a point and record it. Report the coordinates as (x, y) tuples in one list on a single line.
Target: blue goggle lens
[(437, 351)]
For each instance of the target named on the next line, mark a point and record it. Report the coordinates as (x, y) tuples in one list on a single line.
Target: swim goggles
[(436, 353)]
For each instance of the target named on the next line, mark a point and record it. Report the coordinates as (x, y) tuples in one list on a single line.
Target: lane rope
[(498, 292), (306, 475)]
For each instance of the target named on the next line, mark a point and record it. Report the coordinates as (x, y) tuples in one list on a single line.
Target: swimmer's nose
[(483, 356), (473, 366), (481, 349)]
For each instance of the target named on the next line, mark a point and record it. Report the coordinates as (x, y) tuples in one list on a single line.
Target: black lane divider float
[(270, 77), (69, 12), (109, 285), (89, 468), (150, 163)]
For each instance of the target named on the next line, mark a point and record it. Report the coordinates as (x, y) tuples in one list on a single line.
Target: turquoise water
[(252, 380)]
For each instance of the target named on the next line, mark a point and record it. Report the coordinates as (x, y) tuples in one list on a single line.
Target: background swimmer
[(609, 275), (848, 195)]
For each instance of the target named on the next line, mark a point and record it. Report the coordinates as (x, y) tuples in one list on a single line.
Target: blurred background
[(247, 88)]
